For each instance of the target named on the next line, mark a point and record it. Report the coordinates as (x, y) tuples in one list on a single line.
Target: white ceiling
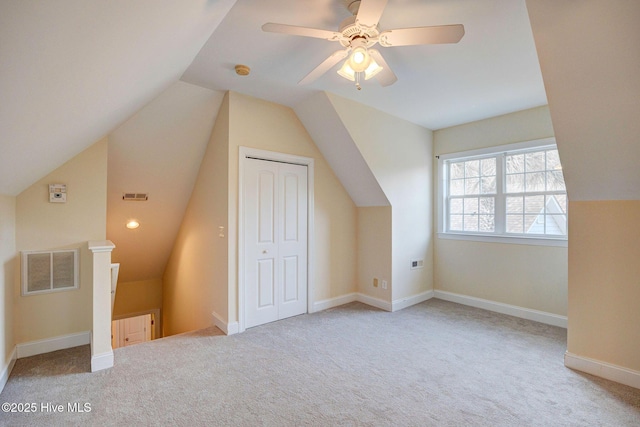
[(493, 70), (73, 71)]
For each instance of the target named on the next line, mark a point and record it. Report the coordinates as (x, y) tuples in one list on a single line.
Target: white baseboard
[(498, 307), (102, 361), (47, 345), (4, 375), (228, 328), (401, 303), (602, 369), (374, 302), (334, 302)]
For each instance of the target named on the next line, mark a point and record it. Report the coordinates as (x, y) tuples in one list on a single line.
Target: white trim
[(396, 305), (228, 328), (520, 240), (498, 307), (48, 345), (514, 146), (6, 372), (102, 361), (401, 303), (605, 370), (245, 152), (100, 245), (374, 302), (326, 304)]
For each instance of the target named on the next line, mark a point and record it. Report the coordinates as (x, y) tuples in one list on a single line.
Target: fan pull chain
[(357, 76)]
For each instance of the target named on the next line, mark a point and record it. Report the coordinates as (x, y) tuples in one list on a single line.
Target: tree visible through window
[(517, 193)]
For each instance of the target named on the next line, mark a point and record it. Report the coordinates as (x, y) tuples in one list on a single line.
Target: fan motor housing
[(350, 30)]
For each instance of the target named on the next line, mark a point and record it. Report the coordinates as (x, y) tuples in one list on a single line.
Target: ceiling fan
[(358, 34)]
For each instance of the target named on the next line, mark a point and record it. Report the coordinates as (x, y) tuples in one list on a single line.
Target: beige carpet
[(434, 364)]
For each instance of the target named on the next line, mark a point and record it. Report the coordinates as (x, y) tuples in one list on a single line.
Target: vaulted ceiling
[(74, 70), (150, 75)]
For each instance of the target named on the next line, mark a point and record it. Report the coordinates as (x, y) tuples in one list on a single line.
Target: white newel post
[(101, 351)]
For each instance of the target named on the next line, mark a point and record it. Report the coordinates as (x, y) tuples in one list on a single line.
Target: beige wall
[(136, 297), (261, 124), (374, 250), (533, 277), (587, 53), (604, 286), (201, 276), (8, 273), (41, 225), (196, 277), (399, 154)]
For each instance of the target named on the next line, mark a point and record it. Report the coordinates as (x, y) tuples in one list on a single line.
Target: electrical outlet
[(384, 284), (375, 282)]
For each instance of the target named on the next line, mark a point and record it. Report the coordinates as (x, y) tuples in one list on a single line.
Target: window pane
[(457, 187), (561, 201), (534, 204), (515, 183), (535, 182), (553, 160), (488, 167), (472, 168), (472, 186), (555, 181), (515, 163), (488, 185), (487, 205), (515, 205), (514, 223), (531, 226), (535, 161), (470, 206), (556, 225), (471, 222), (456, 170), (455, 222), (487, 223), (455, 206)]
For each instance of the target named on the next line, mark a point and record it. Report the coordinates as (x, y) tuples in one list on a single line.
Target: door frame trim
[(247, 152)]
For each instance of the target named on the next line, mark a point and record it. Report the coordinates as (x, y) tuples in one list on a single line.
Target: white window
[(49, 271), (513, 193)]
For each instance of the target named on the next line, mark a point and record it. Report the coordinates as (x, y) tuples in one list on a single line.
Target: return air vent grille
[(135, 197)]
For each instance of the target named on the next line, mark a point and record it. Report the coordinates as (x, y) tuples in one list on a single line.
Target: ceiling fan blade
[(301, 31), (370, 11), (386, 77), (332, 60), (422, 35)]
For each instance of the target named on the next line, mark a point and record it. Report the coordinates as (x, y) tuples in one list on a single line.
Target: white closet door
[(275, 242)]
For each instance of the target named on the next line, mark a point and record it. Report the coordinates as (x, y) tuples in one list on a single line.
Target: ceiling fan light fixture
[(348, 72)]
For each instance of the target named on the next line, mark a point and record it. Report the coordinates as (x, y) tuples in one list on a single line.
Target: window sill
[(533, 241)]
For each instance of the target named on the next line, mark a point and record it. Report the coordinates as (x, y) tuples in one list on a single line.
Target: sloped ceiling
[(589, 57), (337, 146), (72, 70), (158, 151)]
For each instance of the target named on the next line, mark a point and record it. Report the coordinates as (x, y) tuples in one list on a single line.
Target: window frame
[(500, 195)]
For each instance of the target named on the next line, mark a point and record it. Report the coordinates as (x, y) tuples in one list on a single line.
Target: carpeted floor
[(433, 364)]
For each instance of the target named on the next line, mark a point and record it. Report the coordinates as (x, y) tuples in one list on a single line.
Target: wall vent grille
[(135, 197)]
